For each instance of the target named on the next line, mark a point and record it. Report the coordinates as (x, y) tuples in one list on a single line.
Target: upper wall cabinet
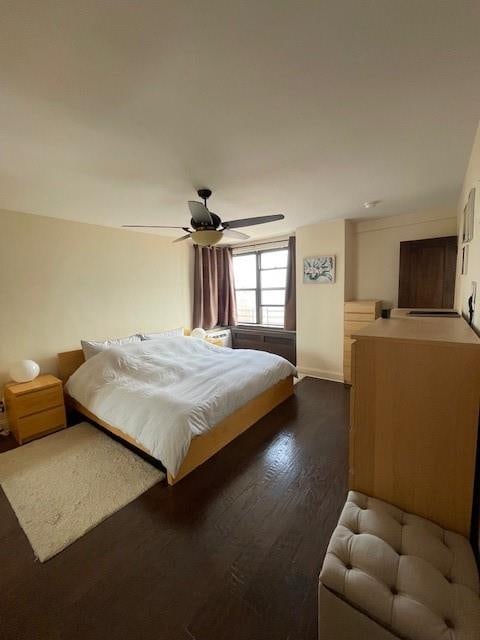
[(427, 273)]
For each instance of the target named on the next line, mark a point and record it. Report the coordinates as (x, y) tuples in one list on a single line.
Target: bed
[(178, 399)]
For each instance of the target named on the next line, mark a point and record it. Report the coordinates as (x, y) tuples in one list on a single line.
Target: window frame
[(258, 289)]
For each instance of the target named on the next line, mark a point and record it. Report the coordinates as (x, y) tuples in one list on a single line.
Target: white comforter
[(163, 392)]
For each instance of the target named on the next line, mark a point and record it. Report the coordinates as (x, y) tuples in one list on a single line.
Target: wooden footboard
[(205, 446), (73, 404)]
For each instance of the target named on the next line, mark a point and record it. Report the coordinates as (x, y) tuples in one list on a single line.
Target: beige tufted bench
[(389, 574)]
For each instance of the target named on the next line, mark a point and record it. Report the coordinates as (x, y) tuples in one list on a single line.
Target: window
[(260, 281)]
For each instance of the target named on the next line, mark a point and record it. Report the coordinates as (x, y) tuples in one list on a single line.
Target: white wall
[(464, 283), (377, 247), (62, 281), (320, 306)]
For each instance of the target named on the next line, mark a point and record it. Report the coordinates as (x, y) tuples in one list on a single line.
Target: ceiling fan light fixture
[(206, 228), (206, 237)]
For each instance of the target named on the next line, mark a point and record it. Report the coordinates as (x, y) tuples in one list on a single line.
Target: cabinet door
[(427, 273), (414, 427)]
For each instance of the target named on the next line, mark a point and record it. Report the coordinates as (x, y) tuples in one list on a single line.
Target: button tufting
[(409, 540)]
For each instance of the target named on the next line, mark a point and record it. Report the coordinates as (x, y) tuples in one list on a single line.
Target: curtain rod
[(257, 244)]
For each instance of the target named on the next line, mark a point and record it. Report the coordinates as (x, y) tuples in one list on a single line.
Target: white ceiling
[(114, 111)]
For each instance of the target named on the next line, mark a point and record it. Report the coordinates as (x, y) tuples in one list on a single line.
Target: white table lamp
[(24, 371)]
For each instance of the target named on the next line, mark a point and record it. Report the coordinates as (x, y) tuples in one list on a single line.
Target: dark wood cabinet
[(278, 341), (427, 273)]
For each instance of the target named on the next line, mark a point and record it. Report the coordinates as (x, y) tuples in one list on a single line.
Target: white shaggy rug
[(65, 484)]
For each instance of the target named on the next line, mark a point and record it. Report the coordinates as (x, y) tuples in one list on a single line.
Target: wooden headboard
[(68, 363)]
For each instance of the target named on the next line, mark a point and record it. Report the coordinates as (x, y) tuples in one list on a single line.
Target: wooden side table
[(35, 408)]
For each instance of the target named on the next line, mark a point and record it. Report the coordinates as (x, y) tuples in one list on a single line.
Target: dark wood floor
[(232, 552)]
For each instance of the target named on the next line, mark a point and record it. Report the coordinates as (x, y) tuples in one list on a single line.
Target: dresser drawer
[(38, 423), (363, 306), (359, 317), (353, 327), (38, 401)]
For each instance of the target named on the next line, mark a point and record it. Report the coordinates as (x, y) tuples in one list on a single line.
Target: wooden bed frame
[(204, 446)]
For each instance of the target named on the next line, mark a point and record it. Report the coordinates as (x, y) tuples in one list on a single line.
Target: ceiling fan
[(207, 227)]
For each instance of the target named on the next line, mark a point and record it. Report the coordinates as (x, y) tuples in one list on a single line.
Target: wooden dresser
[(358, 314), (35, 408), (414, 416)]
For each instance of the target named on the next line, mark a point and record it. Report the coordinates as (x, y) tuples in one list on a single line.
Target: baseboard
[(320, 373)]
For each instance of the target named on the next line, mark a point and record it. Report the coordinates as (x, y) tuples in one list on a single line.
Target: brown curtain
[(291, 290), (214, 301)]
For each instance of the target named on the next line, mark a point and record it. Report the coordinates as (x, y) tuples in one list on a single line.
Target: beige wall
[(62, 281), (367, 255), (320, 306), (377, 248), (464, 283)]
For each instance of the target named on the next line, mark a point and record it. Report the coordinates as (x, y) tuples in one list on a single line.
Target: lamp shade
[(24, 371), (199, 333), (206, 237)]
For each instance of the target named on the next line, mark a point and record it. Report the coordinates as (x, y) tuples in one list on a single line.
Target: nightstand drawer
[(38, 401), (39, 423)]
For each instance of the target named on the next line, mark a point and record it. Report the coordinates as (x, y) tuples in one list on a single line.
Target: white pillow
[(92, 347), (162, 334)]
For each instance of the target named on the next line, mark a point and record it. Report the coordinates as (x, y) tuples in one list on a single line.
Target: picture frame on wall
[(469, 217), (464, 259), (319, 270)]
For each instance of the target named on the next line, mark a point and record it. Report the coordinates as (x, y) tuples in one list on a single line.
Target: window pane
[(272, 259), (275, 278), (245, 271), (246, 309), (273, 296), (273, 315)]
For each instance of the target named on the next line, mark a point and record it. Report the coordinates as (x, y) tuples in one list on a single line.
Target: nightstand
[(35, 408)]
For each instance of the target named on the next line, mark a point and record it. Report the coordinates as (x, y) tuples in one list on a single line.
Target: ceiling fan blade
[(182, 238), (151, 226), (247, 222), (235, 234), (199, 212)]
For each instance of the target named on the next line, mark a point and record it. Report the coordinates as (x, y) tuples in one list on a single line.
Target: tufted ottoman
[(389, 574)]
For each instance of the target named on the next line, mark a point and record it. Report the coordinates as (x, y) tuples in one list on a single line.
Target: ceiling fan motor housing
[(204, 225), (207, 228)]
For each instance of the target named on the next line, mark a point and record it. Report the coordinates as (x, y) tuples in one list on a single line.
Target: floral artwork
[(320, 269)]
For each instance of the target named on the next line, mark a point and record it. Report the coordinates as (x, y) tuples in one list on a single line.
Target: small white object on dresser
[(24, 371), (221, 334)]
